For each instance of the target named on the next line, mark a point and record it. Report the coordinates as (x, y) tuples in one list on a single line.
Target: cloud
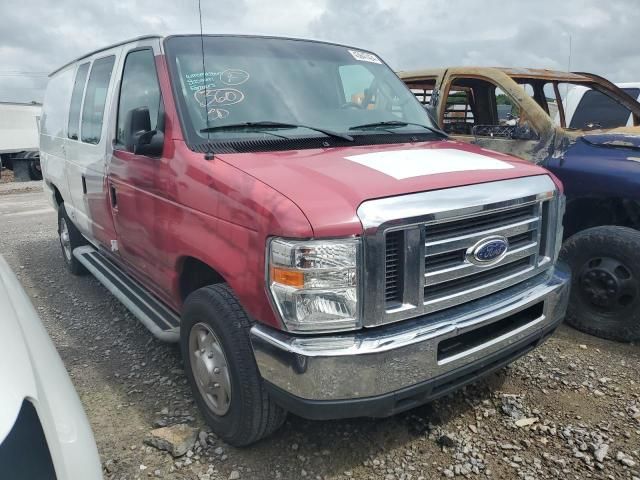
[(40, 35)]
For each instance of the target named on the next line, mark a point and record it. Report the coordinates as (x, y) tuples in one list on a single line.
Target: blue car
[(523, 112)]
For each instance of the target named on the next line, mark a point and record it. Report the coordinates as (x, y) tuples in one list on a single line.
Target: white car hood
[(16, 370), (30, 368)]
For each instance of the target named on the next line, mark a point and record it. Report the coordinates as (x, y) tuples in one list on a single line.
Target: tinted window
[(596, 110), (95, 98), (139, 89), (76, 102)]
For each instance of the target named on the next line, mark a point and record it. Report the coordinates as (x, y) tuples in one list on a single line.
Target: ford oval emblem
[(488, 250)]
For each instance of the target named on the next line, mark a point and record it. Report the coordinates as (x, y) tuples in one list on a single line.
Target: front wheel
[(605, 292), (219, 363)]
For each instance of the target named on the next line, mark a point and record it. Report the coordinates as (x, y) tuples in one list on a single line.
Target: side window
[(480, 108), (76, 102), (56, 103), (506, 107), (95, 98), (458, 112), (139, 88)]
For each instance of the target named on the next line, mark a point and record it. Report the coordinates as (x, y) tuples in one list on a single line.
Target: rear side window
[(95, 98), (139, 88), (56, 103), (597, 110), (73, 127)]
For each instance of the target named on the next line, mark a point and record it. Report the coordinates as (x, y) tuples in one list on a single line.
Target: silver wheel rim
[(65, 240), (209, 368)]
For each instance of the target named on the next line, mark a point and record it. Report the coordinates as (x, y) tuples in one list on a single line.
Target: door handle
[(114, 197)]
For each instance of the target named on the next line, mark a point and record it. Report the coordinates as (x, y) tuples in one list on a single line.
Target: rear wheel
[(605, 294), (219, 363), (35, 172), (70, 239)]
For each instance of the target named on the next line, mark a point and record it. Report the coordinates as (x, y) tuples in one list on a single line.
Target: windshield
[(287, 89)]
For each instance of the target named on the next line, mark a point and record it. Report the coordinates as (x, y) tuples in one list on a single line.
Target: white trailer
[(19, 139)]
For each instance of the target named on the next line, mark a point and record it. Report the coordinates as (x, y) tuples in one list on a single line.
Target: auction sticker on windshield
[(401, 164), (364, 56)]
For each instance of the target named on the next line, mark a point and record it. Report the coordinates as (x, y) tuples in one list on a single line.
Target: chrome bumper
[(380, 361)]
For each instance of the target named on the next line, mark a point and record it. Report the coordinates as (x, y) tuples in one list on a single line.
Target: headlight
[(314, 283)]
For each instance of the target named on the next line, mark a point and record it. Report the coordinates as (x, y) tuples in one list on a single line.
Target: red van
[(288, 212)]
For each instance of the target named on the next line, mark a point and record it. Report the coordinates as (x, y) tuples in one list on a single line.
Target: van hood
[(329, 184)]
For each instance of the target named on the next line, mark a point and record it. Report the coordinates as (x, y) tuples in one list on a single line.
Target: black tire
[(252, 414), (75, 240), (605, 291), (35, 173)]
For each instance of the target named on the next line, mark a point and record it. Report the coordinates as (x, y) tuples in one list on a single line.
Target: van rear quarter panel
[(53, 129)]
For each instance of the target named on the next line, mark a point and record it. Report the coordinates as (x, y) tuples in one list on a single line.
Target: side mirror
[(138, 136)]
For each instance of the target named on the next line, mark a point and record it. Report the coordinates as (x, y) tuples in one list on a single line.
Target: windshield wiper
[(269, 124), (396, 123)]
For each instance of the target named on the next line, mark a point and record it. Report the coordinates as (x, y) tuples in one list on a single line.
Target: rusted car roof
[(513, 72)]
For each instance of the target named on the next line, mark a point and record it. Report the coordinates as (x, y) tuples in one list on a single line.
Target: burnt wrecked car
[(512, 111)]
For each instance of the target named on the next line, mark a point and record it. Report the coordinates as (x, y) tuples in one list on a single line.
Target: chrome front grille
[(392, 278), (450, 279), (417, 246)]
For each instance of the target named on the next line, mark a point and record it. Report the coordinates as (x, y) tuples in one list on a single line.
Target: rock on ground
[(176, 439)]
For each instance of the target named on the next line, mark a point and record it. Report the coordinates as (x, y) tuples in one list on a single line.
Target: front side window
[(139, 88), (292, 82), (73, 128), (479, 107), (95, 98)]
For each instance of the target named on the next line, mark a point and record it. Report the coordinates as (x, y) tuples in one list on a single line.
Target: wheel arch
[(587, 212), (193, 274), (55, 193)]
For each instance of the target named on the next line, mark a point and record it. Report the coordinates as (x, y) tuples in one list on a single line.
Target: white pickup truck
[(582, 105)]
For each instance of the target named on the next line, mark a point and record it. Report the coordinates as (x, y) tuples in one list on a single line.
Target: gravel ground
[(570, 409), (6, 175)]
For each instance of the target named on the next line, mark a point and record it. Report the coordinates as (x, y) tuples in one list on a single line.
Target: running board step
[(162, 322)]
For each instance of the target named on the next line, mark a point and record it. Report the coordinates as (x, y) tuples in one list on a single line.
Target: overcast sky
[(36, 36)]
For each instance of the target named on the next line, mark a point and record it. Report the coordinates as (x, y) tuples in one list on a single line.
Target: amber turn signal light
[(284, 276)]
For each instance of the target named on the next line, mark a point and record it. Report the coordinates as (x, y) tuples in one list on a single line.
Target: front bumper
[(385, 370)]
